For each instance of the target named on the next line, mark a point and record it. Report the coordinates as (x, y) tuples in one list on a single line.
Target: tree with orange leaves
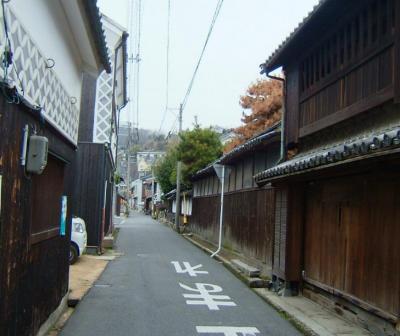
[(263, 99)]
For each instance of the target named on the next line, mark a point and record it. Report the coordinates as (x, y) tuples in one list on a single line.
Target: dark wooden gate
[(351, 240)]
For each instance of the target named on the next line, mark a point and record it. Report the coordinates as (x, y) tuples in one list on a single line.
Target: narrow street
[(157, 288)]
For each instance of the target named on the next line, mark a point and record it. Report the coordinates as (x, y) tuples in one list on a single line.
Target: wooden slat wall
[(109, 208), (292, 91), (243, 170), (248, 172), (239, 176), (280, 231), (350, 71), (351, 238), (88, 179), (88, 106), (249, 211), (396, 18), (248, 221), (33, 277), (46, 193), (366, 83)]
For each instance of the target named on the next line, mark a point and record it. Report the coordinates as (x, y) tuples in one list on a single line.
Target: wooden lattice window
[(352, 41)]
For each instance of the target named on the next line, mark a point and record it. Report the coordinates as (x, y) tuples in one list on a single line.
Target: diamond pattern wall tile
[(103, 119), (39, 84)]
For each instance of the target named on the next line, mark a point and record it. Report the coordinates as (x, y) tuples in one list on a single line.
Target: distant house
[(146, 160), (248, 209), (47, 47), (337, 223), (186, 207), (151, 193), (225, 134), (137, 192), (95, 165)]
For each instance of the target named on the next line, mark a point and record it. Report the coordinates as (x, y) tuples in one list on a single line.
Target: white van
[(78, 239)]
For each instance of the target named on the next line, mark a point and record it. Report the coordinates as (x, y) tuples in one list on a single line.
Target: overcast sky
[(245, 34)]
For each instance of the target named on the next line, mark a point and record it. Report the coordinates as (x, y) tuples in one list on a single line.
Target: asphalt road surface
[(165, 286)]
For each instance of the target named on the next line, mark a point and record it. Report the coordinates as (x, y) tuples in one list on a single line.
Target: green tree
[(197, 148), (165, 170)]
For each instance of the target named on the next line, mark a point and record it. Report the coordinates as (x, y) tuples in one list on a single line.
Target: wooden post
[(178, 180), (396, 69)]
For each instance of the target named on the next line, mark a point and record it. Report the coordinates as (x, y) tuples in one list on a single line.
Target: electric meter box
[(36, 159)]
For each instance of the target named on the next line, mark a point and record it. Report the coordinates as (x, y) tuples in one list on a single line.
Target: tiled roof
[(98, 34), (250, 144), (172, 193), (247, 146), (274, 56), (324, 157)]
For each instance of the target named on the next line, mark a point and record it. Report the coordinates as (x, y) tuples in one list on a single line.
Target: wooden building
[(93, 174), (248, 209), (40, 95), (337, 223), (169, 205)]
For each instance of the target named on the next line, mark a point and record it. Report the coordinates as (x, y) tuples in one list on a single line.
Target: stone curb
[(54, 317)]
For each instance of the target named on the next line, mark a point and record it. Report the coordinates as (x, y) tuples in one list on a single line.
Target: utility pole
[(128, 175), (178, 179)]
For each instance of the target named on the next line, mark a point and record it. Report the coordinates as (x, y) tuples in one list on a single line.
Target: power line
[(167, 70), (132, 81), (173, 128), (189, 89), (138, 63), (182, 106)]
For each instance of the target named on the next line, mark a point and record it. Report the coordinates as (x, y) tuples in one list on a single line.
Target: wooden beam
[(396, 77), (370, 26), (350, 111), (354, 300)]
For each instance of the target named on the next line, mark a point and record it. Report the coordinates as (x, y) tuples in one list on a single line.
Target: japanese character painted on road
[(191, 270), (212, 301), (229, 331)]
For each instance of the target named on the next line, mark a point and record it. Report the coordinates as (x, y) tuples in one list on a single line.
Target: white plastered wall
[(48, 27)]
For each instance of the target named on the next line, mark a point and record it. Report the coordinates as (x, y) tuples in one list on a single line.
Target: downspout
[(282, 156), (221, 214), (113, 105), (103, 209)]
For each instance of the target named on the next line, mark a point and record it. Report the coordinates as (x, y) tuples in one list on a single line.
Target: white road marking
[(228, 331), (212, 301), (191, 270)]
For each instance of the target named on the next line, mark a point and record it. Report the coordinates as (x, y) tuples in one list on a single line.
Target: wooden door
[(329, 212), (352, 227)]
